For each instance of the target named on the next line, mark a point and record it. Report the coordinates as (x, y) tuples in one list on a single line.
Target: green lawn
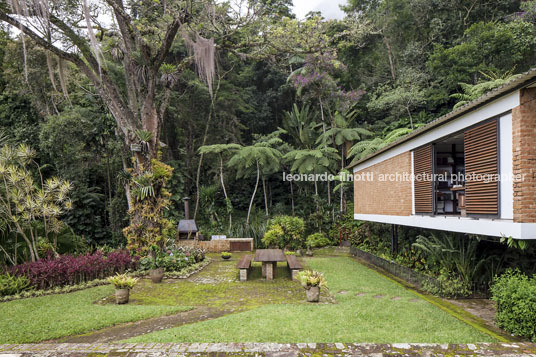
[(366, 318), (54, 316)]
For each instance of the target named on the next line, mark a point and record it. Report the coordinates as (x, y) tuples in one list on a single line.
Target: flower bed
[(182, 274), (173, 259), (65, 270)]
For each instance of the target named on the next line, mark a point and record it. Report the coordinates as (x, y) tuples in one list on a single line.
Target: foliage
[(313, 161), (148, 225), (66, 269), (515, 294), (79, 144), (514, 243), (482, 50), (172, 258), (474, 91), (364, 148), (317, 240), (226, 255), (122, 281), (11, 285), (285, 232), (406, 94), (448, 285), (25, 203), (453, 253)]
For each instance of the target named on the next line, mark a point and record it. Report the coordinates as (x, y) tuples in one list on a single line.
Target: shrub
[(361, 235), (285, 232), (69, 270), (448, 285), (515, 294), (11, 285), (173, 258), (122, 281), (226, 254), (317, 240)]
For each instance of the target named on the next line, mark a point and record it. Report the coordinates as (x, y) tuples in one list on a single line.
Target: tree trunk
[(410, 118), (265, 196), (390, 56), (225, 192), (292, 198), (316, 196), (254, 192), (342, 177)]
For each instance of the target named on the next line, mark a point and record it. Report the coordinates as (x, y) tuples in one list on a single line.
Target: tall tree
[(221, 150), (261, 157), (340, 135)]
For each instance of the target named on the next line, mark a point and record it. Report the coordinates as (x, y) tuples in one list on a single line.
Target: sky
[(329, 8)]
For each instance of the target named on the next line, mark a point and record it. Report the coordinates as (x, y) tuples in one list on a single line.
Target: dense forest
[(218, 102)]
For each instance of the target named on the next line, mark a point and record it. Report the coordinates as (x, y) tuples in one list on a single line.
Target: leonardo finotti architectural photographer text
[(402, 177)]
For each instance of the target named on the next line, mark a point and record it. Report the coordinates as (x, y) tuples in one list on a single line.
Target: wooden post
[(394, 239)]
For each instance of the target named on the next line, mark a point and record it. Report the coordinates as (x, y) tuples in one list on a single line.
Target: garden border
[(182, 274), (414, 277)]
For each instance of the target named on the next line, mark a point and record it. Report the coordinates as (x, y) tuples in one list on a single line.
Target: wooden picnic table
[(269, 259)]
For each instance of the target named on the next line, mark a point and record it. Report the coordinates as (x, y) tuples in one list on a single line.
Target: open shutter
[(482, 168), (423, 185)]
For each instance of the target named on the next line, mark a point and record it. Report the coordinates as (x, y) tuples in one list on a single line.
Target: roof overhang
[(527, 79)]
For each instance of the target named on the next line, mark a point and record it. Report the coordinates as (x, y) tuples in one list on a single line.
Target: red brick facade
[(524, 156), (387, 197)]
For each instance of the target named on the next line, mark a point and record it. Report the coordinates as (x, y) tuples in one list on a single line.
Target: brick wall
[(218, 246), (211, 246), (524, 156), (384, 197)]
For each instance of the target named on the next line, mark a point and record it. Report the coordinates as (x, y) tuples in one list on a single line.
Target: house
[(472, 170)]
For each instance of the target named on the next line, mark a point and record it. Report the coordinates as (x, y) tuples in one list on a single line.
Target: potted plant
[(312, 281), (123, 284), (309, 251), (156, 273), (226, 255)]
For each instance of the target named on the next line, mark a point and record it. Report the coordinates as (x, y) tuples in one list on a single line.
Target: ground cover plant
[(55, 316), (369, 308)]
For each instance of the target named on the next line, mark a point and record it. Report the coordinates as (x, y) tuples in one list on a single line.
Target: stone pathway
[(268, 349)]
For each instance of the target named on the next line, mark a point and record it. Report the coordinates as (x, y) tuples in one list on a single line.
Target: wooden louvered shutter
[(423, 185), (482, 159)]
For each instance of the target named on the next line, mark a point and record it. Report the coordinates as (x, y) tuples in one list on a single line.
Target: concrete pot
[(122, 296), (156, 275), (313, 294)]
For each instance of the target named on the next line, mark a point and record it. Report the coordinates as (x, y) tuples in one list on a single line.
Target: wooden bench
[(293, 265), (244, 264)]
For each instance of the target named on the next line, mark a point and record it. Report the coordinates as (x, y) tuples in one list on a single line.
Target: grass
[(55, 316), (217, 286), (397, 316)]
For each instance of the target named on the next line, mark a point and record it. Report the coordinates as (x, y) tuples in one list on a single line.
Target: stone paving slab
[(267, 349)]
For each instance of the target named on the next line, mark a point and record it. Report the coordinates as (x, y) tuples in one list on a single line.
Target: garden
[(358, 304), (113, 114)]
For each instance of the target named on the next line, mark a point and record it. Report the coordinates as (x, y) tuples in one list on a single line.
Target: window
[(458, 175)]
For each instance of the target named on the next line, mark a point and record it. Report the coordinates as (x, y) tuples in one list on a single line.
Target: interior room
[(449, 169)]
